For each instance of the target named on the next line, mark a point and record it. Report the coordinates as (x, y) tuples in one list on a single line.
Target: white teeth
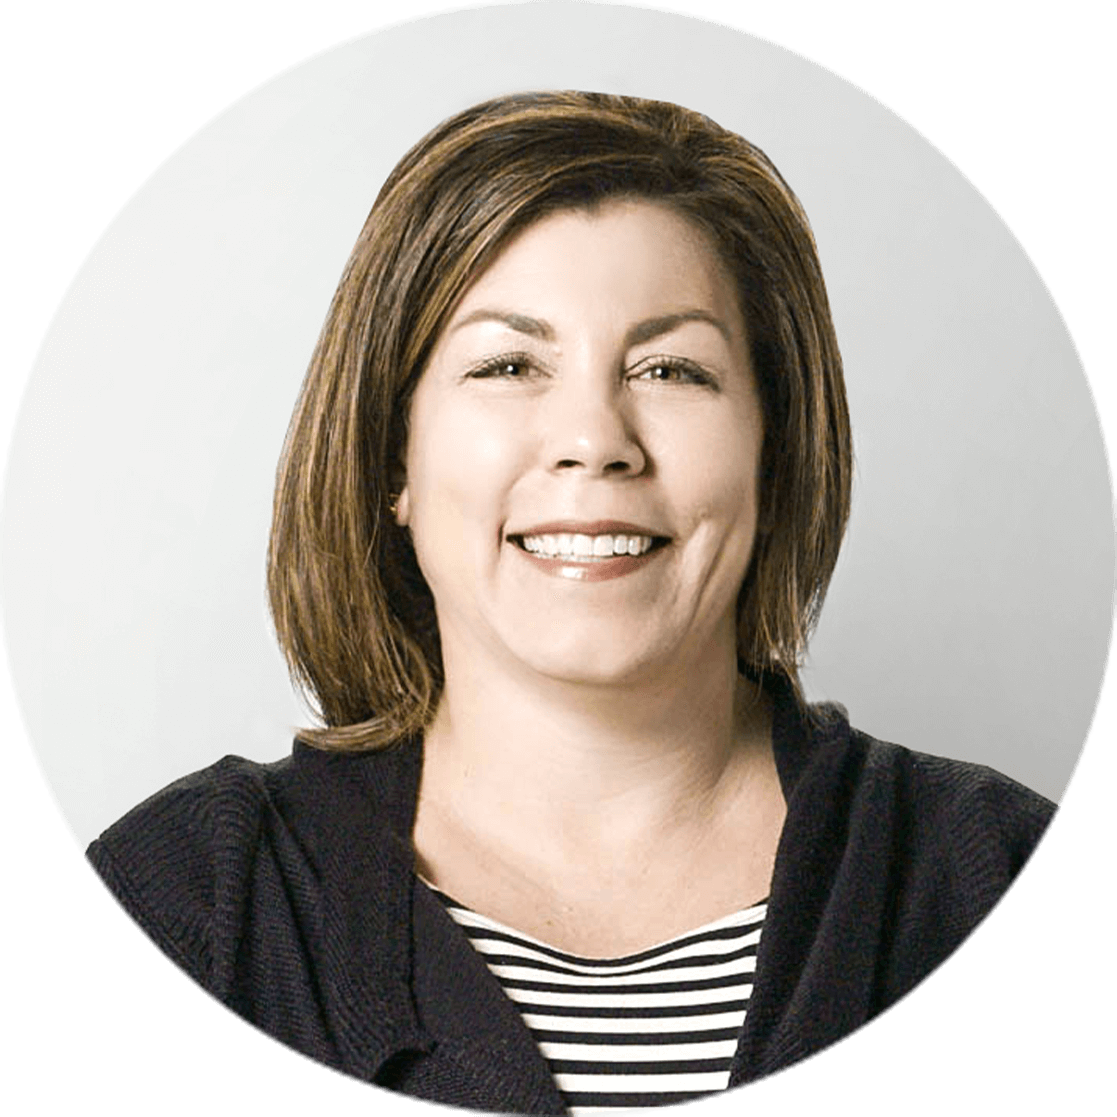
[(586, 547)]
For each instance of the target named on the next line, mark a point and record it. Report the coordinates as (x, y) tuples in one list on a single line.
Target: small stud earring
[(393, 502)]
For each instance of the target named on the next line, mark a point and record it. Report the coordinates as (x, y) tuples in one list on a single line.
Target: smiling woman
[(557, 429), (558, 508)]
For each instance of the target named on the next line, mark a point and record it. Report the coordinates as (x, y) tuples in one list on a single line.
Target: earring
[(393, 502)]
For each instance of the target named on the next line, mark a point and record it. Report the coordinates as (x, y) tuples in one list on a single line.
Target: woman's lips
[(586, 527), (590, 567)]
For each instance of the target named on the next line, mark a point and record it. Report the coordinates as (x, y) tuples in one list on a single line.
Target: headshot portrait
[(574, 589)]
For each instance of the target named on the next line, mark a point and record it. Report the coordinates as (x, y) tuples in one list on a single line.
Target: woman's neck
[(591, 771)]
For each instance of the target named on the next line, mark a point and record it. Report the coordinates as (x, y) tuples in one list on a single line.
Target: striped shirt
[(653, 1028)]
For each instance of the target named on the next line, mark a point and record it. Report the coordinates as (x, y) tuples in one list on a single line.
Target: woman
[(558, 508)]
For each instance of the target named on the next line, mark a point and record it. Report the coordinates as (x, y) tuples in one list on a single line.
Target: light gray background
[(971, 609)]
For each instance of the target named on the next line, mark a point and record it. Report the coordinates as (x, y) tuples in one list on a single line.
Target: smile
[(604, 552), (585, 548)]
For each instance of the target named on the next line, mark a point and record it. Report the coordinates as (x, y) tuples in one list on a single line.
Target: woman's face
[(581, 470)]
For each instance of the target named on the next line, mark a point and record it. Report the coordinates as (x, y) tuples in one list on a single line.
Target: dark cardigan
[(287, 891)]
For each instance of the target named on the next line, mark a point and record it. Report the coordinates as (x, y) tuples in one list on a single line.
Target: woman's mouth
[(585, 548), (588, 557)]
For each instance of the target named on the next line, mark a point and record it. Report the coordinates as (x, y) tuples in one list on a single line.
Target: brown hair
[(353, 613)]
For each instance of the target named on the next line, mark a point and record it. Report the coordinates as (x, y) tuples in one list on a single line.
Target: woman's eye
[(673, 371), (502, 368)]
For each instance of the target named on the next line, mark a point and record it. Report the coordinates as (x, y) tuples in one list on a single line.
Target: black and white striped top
[(653, 1028)]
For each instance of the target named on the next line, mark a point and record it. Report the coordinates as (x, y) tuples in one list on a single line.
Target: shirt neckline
[(751, 914)]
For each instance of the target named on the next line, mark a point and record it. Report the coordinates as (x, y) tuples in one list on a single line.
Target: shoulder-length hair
[(353, 613)]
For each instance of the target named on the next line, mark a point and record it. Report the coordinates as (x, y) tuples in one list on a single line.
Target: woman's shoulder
[(190, 816), (222, 805), (190, 861), (940, 818), (943, 790), (167, 859), (961, 817)]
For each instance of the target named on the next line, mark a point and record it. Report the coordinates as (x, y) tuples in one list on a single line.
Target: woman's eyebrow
[(643, 331), (521, 323), (665, 323)]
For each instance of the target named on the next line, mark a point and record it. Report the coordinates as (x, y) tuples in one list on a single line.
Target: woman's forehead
[(632, 256)]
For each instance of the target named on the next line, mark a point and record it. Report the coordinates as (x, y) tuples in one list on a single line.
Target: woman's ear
[(401, 507), (399, 499)]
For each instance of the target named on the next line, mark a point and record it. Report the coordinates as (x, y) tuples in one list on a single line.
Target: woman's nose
[(590, 430)]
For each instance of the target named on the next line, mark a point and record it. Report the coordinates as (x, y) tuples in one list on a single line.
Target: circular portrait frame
[(971, 614)]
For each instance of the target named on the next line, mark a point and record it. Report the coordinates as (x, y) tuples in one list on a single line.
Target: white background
[(969, 612)]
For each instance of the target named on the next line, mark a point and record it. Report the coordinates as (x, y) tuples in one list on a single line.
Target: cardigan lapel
[(357, 812), (816, 960), (475, 1026), (410, 1003)]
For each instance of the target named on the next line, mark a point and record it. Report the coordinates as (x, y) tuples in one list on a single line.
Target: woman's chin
[(598, 663)]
